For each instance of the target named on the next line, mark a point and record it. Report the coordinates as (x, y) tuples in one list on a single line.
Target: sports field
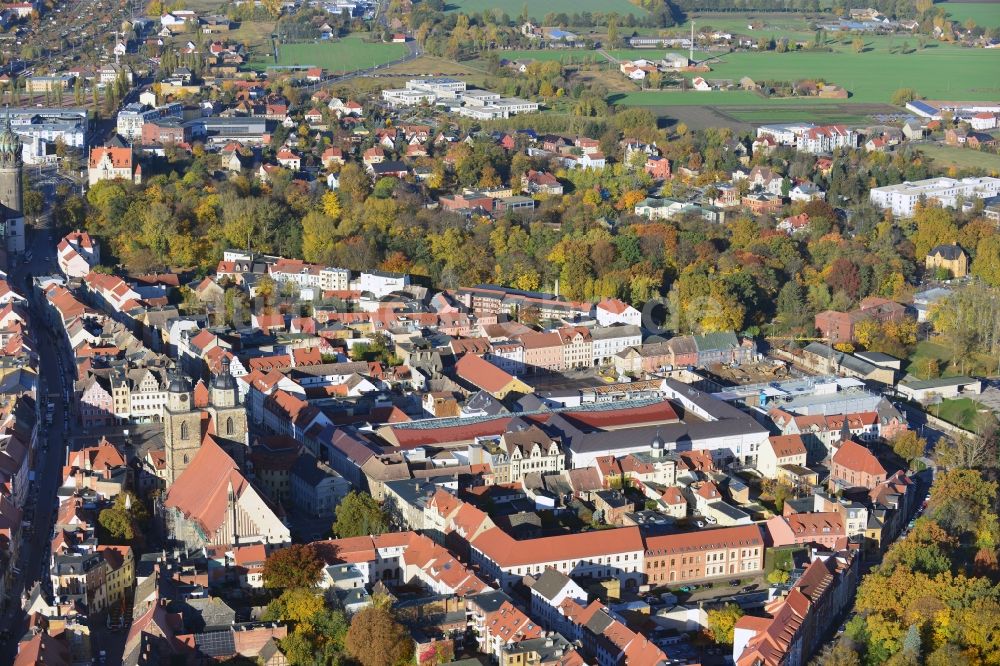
[(939, 71), (343, 55), (985, 14), (539, 8)]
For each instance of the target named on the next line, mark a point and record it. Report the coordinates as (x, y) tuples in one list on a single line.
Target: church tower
[(228, 414), (11, 190), (181, 427), (184, 412)]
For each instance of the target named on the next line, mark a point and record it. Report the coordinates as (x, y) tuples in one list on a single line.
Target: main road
[(55, 376)]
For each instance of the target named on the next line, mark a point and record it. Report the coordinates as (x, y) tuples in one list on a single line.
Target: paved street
[(49, 458), (54, 377)]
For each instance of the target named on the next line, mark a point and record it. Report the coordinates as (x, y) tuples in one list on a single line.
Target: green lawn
[(960, 411), (538, 10), (344, 55), (780, 558), (924, 351), (940, 71), (985, 14), (962, 158)]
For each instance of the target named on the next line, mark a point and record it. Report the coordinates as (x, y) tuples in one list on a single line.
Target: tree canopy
[(358, 514)]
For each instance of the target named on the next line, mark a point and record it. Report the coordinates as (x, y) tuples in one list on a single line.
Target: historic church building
[(209, 499)]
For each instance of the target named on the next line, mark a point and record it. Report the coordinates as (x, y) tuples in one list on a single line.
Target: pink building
[(542, 351)]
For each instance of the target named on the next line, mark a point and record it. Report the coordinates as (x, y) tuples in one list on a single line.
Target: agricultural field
[(344, 55), (564, 56), (792, 26), (537, 10), (962, 158), (939, 71), (985, 14)]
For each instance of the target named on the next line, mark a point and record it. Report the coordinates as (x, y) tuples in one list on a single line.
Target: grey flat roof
[(921, 384)]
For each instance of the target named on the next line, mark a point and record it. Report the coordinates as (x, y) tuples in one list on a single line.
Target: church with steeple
[(11, 193)]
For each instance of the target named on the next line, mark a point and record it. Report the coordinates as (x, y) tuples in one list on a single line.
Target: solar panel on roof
[(216, 643)]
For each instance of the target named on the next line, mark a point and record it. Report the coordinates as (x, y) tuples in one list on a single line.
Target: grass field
[(962, 158), (960, 411), (985, 14), (540, 9), (924, 351), (344, 55)]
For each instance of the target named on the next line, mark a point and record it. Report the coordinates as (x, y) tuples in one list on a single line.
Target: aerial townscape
[(500, 333)]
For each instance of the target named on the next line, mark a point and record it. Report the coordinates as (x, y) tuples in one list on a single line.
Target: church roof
[(202, 490)]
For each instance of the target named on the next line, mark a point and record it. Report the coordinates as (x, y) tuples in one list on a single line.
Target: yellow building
[(119, 575), (949, 257)]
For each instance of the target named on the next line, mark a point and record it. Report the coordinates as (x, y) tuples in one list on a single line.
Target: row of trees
[(743, 275), (935, 599)]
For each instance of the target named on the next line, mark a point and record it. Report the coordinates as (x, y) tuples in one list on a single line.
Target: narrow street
[(55, 376)]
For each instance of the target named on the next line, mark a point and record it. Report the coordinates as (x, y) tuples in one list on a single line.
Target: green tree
[(841, 653), (986, 265), (908, 445), (935, 226), (722, 623), (377, 639), (33, 203), (297, 565), (903, 95), (122, 518), (358, 514)]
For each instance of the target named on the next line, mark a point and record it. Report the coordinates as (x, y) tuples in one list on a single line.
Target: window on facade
[(184, 433), (229, 426)]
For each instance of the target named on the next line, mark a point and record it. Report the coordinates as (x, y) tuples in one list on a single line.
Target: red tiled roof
[(787, 445), (483, 374), (201, 491), (855, 457), (121, 158), (506, 551)]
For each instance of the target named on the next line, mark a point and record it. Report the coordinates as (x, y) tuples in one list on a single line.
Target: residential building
[(903, 198), (514, 454), (951, 258), (113, 164), (855, 466), (778, 451), (704, 555), (800, 620)]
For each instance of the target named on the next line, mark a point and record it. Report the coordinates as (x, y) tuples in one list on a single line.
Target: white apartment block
[(134, 116), (508, 355), (784, 134), (310, 275), (825, 139), (902, 198), (397, 97), (380, 283)]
